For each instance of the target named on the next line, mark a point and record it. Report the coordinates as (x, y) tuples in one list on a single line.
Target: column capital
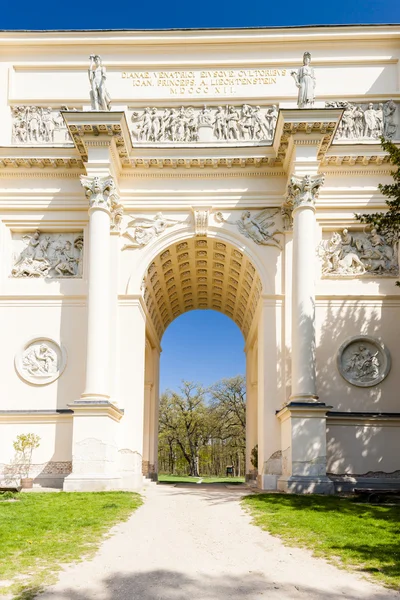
[(102, 195), (303, 191)]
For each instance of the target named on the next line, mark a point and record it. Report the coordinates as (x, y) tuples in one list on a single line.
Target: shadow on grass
[(174, 585), (316, 503)]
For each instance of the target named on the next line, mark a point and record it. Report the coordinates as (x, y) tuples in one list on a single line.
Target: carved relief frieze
[(367, 122), (141, 231), (38, 125), (41, 361), (256, 227), (358, 253), (189, 125), (363, 361), (47, 255)]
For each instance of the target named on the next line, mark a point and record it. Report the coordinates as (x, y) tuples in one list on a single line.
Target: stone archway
[(198, 273)]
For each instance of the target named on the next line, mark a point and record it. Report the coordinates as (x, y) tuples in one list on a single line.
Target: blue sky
[(201, 346), (160, 14)]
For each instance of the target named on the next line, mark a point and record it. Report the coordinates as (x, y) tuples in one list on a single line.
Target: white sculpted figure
[(247, 123), (371, 123), (205, 117), (366, 123), (40, 360), (357, 254), (99, 97), (145, 230), (52, 255), (256, 228), (389, 125), (38, 125), (305, 81), (363, 365)]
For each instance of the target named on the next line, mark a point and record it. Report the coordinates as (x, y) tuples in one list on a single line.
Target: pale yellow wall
[(360, 448), (339, 320), (55, 434)]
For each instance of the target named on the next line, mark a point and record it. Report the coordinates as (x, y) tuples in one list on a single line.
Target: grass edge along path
[(41, 532), (164, 478), (352, 535)]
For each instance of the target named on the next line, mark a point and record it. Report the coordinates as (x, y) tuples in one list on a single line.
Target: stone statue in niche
[(363, 361), (40, 360), (184, 125), (358, 253), (366, 122), (256, 227), (145, 230), (53, 255), (99, 97), (38, 125), (305, 80)]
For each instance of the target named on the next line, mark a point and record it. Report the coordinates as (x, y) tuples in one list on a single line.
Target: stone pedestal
[(303, 430), (95, 459)]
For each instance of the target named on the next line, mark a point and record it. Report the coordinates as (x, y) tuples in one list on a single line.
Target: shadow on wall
[(359, 447), (173, 585)]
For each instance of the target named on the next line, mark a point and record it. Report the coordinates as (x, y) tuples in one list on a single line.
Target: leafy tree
[(388, 222), (183, 419), (205, 427), (228, 401)]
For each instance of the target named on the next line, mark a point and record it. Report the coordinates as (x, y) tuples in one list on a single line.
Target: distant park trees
[(202, 431)]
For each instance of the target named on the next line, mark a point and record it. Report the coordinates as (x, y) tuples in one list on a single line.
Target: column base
[(92, 482), (301, 484)]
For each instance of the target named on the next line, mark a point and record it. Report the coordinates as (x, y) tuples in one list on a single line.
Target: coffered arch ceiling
[(201, 273)]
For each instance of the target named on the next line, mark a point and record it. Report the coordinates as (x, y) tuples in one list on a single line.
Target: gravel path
[(197, 544)]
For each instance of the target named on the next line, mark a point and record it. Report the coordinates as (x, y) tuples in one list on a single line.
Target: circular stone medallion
[(41, 361), (363, 361)]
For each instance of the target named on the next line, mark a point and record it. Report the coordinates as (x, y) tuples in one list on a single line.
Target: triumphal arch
[(145, 174)]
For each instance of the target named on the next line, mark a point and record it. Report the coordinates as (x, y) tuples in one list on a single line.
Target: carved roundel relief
[(363, 361), (41, 361)]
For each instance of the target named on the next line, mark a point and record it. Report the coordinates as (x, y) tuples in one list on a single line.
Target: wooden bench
[(376, 493)]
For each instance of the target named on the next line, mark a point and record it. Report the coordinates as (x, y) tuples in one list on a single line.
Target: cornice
[(220, 174), (311, 34), (318, 61)]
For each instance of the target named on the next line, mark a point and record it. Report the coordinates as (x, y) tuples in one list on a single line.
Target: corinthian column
[(102, 197), (302, 193)]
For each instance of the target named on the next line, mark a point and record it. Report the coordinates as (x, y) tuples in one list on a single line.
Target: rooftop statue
[(305, 81), (99, 97)]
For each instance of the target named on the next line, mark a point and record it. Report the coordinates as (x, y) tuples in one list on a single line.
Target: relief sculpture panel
[(41, 361), (357, 253), (366, 122), (208, 124), (363, 361), (50, 255), (38, 125)]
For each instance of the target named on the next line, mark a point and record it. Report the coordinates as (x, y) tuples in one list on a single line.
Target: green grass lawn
[(40, 531), (360, 536), (187, 479)]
